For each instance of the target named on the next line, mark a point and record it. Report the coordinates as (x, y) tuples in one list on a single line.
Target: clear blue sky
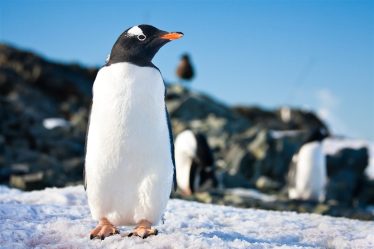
[(312, 54)]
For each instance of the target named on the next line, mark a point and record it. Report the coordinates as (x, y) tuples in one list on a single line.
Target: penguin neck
[(133, 60), (119, 54), (316, 138)]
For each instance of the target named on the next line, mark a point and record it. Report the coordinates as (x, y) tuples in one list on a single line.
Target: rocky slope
[(249, 146)]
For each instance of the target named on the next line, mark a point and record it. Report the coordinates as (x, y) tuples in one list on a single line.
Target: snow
[(60, 218), (251, 193), (51, 123)]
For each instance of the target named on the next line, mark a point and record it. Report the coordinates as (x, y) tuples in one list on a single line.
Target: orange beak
[(172, 35)]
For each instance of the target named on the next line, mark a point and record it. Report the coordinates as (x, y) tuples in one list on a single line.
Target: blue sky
[(317, 55)]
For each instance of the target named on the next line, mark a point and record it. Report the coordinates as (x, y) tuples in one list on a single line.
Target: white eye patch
[(135, 31)]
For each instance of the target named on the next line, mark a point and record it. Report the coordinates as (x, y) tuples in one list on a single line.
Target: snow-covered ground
[(60, 218)]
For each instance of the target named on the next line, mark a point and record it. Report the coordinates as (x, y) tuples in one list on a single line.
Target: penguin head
[(185, 57), (317, 134), (139, 44)]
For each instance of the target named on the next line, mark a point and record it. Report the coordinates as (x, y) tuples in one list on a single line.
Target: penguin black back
[(203, 164)]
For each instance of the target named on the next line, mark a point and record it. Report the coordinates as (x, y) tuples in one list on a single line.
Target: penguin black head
[(185, 57), (139, 44), (318, 134)]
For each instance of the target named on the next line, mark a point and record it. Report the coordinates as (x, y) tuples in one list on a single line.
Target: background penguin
[(194, 162), (129, 161), (185, 70), (308, 174)]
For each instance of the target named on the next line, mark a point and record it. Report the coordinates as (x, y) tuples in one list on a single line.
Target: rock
[(203, 114), (346, 174), (273, 155), (260, 145), (252, 146), (274, 120), (366, 192), (341, 187), (20, 169), (199, 107), (73, 168), (57, 80), (28, 181), (64, 148), (235, 181), (355, 160), (266, 184), (226, 197), (321, 208), (79, 120), (33, 89), (240, 161)]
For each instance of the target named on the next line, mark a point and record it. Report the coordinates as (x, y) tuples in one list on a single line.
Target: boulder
[(33, 90), (284, 118), (274, 154), (345, 170), (366, 192), (252, 146)]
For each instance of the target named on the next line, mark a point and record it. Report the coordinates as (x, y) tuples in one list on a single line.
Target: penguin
[(129, 163), (185, 70), (194, 162), (308, 173)]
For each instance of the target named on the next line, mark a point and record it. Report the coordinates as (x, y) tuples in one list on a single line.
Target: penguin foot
[(143, 230), (103, 229)]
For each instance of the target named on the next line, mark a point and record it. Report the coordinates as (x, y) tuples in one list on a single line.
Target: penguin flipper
[(171, 140)]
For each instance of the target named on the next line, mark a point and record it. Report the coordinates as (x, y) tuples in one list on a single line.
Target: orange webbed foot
[(143, 230), (103, 229)]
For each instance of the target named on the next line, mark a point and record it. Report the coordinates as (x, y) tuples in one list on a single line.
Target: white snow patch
[(51, 123), (251, 193), (287, 133), (60, 218), (333, 145)]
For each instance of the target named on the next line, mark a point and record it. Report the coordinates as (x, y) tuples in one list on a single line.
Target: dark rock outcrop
[(31, 90), (345, 170), (281, 119), (247, 150)]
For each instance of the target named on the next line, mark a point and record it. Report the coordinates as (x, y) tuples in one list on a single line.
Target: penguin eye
[(141, 37)]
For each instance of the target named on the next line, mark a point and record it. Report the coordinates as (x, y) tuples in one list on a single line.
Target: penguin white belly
[(185, 151), (129, 168), (311, 174)]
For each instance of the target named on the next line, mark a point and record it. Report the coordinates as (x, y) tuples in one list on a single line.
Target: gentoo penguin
[(185, 70), (194, 162), (308, 175), (129, 160)]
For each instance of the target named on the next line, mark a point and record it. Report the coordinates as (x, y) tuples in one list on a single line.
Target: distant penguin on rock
[(308, 174), (194, 162), (185, 70), (129, 167)]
